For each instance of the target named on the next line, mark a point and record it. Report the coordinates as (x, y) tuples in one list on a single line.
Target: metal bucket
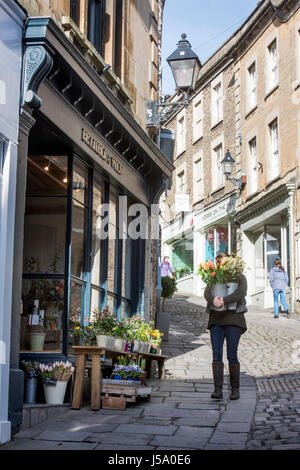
[(30, 390)]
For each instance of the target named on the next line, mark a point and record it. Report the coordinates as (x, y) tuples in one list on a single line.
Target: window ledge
[(271, 91), (216, 124), (218, 189), (252, 195), (198, 199), (180, 153), (273, 180), (74, 32), (197, 139), (248, 113)]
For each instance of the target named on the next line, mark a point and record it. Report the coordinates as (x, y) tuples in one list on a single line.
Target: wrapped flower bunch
[(56, 371), (229, 270)]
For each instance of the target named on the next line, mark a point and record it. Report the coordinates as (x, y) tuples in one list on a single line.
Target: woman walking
[(279, 281), (229, 324)]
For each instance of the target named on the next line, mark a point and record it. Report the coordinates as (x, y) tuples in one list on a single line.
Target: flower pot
[(231, 287), (30, 390), (105, 341), (37, 341), (148, 347), (136, 346), (218, 290), (143, 347), (116, 377), (120, 344), (153, 350), (53, 326), (55, 394)]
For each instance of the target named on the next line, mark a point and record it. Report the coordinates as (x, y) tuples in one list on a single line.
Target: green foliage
[(168, 287)]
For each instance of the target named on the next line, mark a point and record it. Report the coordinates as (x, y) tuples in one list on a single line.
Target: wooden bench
[(95, 352)]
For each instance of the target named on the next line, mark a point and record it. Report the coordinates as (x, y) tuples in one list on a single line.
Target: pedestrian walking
[(229, 325), (165, 267), (279, 281)]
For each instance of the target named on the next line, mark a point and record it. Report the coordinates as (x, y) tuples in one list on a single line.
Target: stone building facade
[(86, 69), (259, 65)]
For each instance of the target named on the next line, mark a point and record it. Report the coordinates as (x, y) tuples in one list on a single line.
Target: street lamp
[(185, 66), (227, 164)]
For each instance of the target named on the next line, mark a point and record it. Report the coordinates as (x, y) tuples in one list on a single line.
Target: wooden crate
[(114, 395)]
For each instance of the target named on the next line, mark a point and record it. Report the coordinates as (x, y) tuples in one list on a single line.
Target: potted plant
[(156, 337), (135, 322), (119, 332), (168, 289), (86, 333), (104, 323), (55, 377), (31, 370), (127, 372)]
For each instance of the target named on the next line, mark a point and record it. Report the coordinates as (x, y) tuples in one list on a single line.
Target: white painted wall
[(11, 25)]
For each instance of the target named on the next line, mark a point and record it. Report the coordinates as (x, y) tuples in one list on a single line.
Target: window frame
[(198, 118)]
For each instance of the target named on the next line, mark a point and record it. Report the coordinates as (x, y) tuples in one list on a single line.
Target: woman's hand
[(218, 302)]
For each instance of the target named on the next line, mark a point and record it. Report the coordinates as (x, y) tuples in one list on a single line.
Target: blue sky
[(208, 24)]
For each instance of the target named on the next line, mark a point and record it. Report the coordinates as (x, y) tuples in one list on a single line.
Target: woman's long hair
[(277, 262)]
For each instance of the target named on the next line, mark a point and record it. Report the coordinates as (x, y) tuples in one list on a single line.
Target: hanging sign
[(182, 203)]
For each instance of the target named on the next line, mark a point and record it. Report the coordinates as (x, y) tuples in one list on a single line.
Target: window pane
[(182, 256), (46, 175), (111, 271), (125, 309), (96, 241), (80, 183), (210, 245), (95, 301), (273, 238), (111, 303), (79, 218), (126, 268), (76, 301), (44, 235), (222, 240), (259, 260), (41, 322)]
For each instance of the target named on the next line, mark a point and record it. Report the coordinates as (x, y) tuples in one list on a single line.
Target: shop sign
[(182, 202), (101, 151), (219, 211)]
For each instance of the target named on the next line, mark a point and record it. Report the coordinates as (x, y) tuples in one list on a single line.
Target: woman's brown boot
[(234, 372), (218, 375)]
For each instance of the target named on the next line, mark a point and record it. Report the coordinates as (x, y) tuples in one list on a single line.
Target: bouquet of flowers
[(56, 371), (211, 273), (31, 369), (233, 269)]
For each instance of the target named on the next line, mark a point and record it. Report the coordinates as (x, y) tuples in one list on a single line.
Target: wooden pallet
[(116, 395)]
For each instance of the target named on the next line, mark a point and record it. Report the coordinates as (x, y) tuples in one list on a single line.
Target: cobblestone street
[(181, 415)]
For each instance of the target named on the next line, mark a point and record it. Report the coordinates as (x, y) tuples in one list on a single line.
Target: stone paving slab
[(181, 414)]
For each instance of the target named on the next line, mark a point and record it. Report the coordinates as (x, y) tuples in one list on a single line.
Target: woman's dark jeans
[(218, 334)]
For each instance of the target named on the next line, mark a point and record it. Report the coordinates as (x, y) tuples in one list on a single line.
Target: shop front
[(215, 232), (88, 170), (267, 233)]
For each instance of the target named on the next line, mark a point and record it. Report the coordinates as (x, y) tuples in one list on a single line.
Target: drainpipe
[(291, 188)]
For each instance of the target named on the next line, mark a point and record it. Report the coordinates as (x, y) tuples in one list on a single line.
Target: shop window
[(44, 254), (219, 240), (42, 318), (273, 244), (113, 243), (95, 23), (98, 198), (183, 257), (259, 260)]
